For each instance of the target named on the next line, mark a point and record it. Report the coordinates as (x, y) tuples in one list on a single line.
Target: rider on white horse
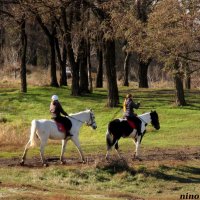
[(129, 114), (56, 111)]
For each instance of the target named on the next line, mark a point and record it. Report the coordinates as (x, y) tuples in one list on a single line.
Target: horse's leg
[(64, 142), (107, 154), (108, 151), (109, 141), (25, 152), (42, 145), (117, 149), (78, 146), (137, 146)]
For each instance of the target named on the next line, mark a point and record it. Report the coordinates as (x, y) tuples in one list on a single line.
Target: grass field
[(170, 156)]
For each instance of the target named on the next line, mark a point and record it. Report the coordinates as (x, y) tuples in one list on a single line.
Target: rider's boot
[(68, 134)]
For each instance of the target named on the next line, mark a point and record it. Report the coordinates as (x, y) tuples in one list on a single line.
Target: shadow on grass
[(180, 174), (184, 174), (116, 166)]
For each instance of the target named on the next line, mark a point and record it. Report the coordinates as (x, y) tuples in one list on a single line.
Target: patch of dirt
[(148, 156)]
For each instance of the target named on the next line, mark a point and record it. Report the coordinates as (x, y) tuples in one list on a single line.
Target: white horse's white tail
[(33, 133)]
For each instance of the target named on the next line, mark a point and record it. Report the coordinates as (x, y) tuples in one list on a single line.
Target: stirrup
[(68, 135)]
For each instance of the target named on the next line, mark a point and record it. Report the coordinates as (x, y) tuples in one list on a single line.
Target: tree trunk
[(2, 41), (83, 67), (109, 56), (126, 69), (89, 67), (179, 91), (99, 79), (54, 82), (63, 74), (188, 82), (187, 76), (51, 39), (62, 62), (75, 91), (23, 56), (33, 43), (142, 73)]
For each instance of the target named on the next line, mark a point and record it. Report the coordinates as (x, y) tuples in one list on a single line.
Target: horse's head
[(155, 120), (91, 121)]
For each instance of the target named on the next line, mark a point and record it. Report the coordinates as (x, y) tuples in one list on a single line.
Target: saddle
[(132, 124), (60, 127)]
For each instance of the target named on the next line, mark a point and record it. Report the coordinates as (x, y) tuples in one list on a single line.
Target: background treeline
[(110, 40)]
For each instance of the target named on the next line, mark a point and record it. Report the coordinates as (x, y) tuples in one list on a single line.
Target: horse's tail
[(33, 133)]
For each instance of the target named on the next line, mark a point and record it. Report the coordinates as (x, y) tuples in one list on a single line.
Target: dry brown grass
[(12, 135), (39, 77)]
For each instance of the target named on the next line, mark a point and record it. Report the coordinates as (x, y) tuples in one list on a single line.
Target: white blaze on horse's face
[(92, 122)]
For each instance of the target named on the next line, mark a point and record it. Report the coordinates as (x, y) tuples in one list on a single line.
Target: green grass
[(179, 129)]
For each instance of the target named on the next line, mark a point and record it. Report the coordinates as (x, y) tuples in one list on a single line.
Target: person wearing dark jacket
[(129, 106), (56, 110)]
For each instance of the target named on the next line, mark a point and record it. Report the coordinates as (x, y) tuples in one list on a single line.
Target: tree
[(49, 30), (99, 79), (126, 68), (109, 51), (173, 39), (132, 27), (14, 11)]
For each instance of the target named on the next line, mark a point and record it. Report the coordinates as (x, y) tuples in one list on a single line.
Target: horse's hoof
[(21, 163), (62, 162), (45, 165), (137, 158)]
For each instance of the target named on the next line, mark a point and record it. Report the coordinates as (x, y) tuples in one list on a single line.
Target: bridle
[(87, 123), (91, 120)]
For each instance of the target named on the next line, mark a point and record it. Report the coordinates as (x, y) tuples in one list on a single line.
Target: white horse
[(120, 128), (47, 129)]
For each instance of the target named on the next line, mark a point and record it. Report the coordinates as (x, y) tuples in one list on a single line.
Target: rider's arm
[(61, 110), (135, 105)]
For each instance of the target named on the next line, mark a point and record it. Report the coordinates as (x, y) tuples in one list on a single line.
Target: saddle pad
[(61, 127), (131, 124)]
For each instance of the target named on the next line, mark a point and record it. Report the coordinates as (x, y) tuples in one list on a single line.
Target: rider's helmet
[(54, 97)]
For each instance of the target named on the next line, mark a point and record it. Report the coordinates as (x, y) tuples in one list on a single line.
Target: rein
[(83, 121), (76, 119)]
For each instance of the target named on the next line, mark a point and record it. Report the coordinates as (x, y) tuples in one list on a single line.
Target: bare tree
[(18, 16), (174, 39)]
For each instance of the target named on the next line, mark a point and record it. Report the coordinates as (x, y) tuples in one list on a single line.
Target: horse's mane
[(144, 114), (78, 113)]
